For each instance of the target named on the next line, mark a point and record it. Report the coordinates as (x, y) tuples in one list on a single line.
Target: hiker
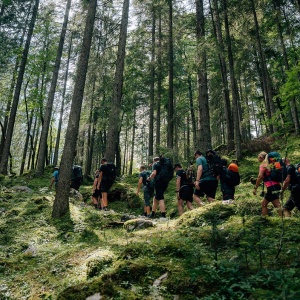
[(160, 185), (96, 195), (292, 182), (273, 187), (54, 178), (261, 156), (229, 178), (148, 189), (105, 181), (206, 183), (76, 177), (184, 191)]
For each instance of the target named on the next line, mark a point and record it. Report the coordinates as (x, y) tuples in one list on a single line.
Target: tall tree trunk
[(114, 115), (204, 133), (31, 150), (159, 82), (29, 124), (264, 72), (11, 90), (62, 107), (61, 202), (132, 143), (221, 47), (90, 133), (48, 109), (170, 131), (15, 102), (234, 88), (192, 113), (152, 82)]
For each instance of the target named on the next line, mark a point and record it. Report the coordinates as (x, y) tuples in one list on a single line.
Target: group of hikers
[(193, 183), (76, 177)]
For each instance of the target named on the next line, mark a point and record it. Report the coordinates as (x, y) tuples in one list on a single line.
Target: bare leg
[(276, 204), (180, 207), (210, 200), (189, 205), (162, 206), (264, 207), (287, 213), (197, 200), (104, 199)]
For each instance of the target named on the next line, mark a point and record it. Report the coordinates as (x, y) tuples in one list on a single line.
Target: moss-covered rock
[(214, 213)]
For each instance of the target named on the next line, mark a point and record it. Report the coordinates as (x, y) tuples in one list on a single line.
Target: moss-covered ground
[(213, 252)]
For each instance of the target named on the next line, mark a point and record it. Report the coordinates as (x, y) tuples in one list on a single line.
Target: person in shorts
[(103, 183), (184, 191), (206, 183), (273, 188), (160, 188), (148, 188), (292, 183)]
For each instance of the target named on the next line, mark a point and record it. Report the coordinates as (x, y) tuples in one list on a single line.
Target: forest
[(81, 80), (128, 80)]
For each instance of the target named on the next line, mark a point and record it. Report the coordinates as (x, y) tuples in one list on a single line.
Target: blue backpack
[(278, 169)]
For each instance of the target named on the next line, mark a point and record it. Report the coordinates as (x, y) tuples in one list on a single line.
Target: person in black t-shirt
[(103, 183), (184, 191), (160, 188), (292, 182)]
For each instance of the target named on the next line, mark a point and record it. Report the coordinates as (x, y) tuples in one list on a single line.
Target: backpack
[(76, 177), (111, 174), (214, 163), (166, 172), (278, 169), (190, 175), (232, 178)]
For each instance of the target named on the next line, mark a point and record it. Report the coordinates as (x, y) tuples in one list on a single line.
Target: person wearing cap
[(229, 178), (54, 178), (184, 191)]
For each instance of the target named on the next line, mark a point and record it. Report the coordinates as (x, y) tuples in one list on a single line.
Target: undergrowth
[(213, 252)]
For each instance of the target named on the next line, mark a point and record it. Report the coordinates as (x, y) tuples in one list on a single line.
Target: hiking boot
[(105, 208)]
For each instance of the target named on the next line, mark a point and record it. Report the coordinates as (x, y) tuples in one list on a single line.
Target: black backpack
[(214, 163), (278, 169), (166, 171), (232, 178), (76, 177), (190, 175), (295, 180), (111, 174)]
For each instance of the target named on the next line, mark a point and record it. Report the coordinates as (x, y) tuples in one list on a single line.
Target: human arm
[(140, 182), (198, 177), (259, 179), (99, 180), (286, 182), (153, 174), (178, 181)]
